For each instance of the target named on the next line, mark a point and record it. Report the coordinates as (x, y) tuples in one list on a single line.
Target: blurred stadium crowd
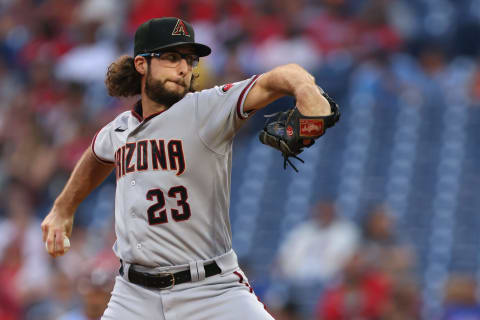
[(53, 58)]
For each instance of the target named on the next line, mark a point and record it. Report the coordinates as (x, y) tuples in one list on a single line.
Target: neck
[(150, 107)]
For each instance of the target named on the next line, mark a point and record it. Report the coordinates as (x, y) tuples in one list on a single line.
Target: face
[(165, 84), (381, 225), (324, 214)]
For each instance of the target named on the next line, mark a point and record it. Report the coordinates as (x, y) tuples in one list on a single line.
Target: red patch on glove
[(290, 131), (311, 127)]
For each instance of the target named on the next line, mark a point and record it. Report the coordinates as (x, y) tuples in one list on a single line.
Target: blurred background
[(381, 222)]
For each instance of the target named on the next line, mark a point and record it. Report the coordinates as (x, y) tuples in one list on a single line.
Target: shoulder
[(228, 88), (304, 228), (344, 224), (121, 119), (189, 97), (203, 93)]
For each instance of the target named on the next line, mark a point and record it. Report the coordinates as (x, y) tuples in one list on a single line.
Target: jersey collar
[(137, 112)]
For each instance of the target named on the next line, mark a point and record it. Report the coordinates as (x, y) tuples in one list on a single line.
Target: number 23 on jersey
[(157, 213)]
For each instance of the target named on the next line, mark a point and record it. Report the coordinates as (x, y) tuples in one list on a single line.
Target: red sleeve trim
[(96, 156), (240, 99)]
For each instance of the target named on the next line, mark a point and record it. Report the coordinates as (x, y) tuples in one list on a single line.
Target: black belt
[(166, 280)]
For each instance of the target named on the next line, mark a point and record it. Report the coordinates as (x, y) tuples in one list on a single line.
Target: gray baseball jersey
[(173, 176)]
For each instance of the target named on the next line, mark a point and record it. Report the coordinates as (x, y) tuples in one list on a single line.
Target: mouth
[(178, 83)]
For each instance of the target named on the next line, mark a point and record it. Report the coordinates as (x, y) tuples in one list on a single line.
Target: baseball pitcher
[(172, 155)]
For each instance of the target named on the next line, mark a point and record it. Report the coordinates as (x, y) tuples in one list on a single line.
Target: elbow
[(283, 80), (293, 66), (294, 71)]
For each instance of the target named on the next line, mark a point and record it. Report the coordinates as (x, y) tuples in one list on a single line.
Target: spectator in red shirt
[(362, 293)]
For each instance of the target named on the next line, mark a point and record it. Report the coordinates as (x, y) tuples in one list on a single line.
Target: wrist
[(311, 102), (65, 206)]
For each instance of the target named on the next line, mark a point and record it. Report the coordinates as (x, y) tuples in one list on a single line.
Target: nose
[(183, 67)]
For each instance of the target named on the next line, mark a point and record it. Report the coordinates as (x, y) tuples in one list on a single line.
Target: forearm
[(88, 174), (290, 79)]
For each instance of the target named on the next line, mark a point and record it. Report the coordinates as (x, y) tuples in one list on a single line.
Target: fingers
[(55, 228), (48, 237), (54, 243), (44, 231), (50, 244), (59, 250), (68, 230)]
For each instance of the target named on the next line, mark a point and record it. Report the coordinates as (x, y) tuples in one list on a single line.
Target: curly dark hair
[(123, 80)]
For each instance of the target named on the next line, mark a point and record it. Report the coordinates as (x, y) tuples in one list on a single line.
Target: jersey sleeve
[(219, 113), (102, 145)]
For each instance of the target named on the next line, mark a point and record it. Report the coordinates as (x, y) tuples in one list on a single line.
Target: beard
[(156, 90)]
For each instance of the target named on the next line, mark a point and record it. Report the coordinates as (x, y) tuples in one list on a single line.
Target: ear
[(141, 65)]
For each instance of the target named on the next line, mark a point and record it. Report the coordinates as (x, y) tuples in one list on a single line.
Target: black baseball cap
[(162, 33)]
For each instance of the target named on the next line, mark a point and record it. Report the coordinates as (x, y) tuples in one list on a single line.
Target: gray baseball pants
[(226, 296)]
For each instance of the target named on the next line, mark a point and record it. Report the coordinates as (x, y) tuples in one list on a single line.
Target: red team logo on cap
[(311, 127), (180, 29), (227, 87)]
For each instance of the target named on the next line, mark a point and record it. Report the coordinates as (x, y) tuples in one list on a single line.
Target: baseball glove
[(290, 131)]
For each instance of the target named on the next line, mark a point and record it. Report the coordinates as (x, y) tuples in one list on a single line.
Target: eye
[(171, 57), (192, 60)]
